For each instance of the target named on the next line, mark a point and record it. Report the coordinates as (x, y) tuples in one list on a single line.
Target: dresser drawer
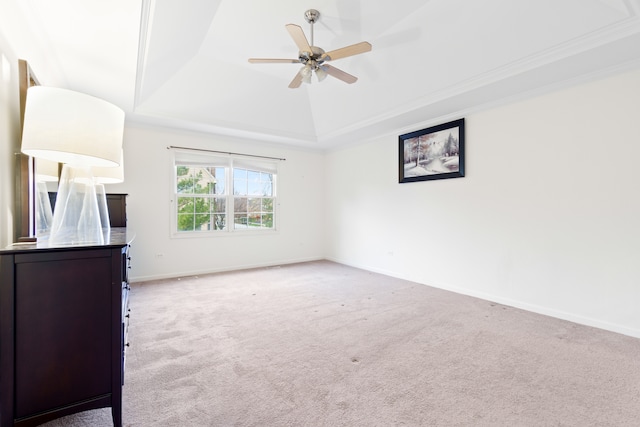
[(126, 311)]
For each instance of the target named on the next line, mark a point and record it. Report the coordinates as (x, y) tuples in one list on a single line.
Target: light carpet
[(323, 344)]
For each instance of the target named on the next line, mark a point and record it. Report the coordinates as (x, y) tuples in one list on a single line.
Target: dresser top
[(115, 237)]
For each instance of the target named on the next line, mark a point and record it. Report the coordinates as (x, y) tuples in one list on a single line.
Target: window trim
[(229, 162)]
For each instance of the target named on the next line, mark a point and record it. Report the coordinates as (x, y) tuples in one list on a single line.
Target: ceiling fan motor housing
[(313, 58), (311, 16)]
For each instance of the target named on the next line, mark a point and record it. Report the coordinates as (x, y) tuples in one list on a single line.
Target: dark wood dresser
[(63, 326), (116, 205)]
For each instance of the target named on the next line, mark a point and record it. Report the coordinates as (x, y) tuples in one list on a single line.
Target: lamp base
[(103, 207), (44, 216), (76, 216)]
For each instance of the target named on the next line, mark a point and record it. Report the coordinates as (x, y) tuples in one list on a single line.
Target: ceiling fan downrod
[(311, 16)]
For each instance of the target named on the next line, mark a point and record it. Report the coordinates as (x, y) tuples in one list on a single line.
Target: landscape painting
[(433, 153)]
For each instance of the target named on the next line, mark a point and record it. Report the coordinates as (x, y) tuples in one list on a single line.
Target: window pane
[(219, 205), (240, 221), (204, 181), (240, 173), (267, 189), (185, 222), (185, 205), (254, 188), (202, 205), (239, 187), (221, 180), (267, 220), (253, 176), (240, 182), (267, 184), (267, 205), (182, 171), (184, 179), (254, 185), (220, 222), (254, 205), (240, 204), (198, 180), (202, 222), (254, 220)]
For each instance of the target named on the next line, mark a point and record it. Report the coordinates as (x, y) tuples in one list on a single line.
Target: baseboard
[(558, 314), (174, 275)]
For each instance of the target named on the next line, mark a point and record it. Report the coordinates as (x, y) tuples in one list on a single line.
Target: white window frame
[(229, 162)]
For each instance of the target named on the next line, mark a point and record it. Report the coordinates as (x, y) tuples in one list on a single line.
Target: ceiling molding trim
[(624, 29), (336, 143), (267, 135), (606, 35), (146, 17), (633, 5), (168, 128)]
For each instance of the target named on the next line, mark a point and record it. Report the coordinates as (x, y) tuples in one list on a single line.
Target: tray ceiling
[(184, 64)]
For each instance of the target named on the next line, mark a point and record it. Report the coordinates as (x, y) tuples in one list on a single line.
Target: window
[(252, 199), (214, 194)]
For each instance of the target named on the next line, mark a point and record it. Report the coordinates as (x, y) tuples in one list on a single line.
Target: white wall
[(9, 138), (148, 181), (546, 218)]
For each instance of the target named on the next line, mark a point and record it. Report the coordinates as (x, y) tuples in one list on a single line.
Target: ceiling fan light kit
[(314, 58)]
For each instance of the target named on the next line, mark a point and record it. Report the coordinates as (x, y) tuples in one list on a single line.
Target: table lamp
[(81, 132), (105, 175), (46, 172)]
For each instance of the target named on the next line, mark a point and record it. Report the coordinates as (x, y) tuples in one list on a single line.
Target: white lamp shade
[(104, 175), (46, 170), (321, 74), (305, 73), (70, 127)]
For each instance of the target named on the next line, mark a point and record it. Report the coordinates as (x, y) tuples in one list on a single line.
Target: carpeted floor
[(323, 344)]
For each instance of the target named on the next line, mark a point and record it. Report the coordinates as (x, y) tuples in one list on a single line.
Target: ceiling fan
[(314, 58)]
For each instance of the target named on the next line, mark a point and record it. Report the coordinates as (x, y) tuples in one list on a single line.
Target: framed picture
[(432, 153)]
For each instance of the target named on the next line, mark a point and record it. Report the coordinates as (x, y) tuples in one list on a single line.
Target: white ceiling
[(184, 63)]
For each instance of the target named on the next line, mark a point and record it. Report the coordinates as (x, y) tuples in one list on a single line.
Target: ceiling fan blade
[(273, 61), (298, 37), (343, 52), (296, 82), (339, 74)]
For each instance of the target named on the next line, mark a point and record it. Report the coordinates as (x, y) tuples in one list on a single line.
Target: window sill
[(222, 234)]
